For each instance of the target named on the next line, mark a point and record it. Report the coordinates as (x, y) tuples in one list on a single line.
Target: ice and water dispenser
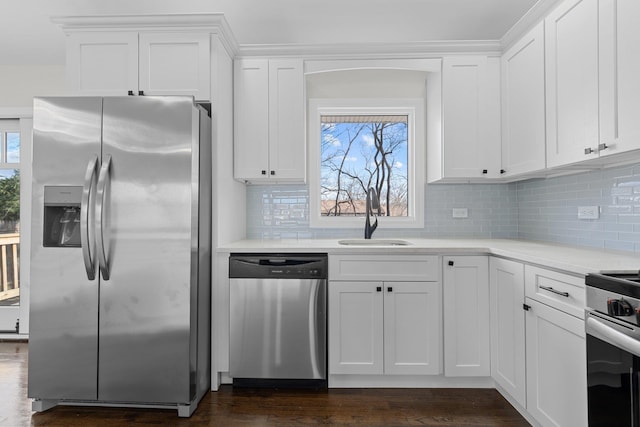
[(62, 216)]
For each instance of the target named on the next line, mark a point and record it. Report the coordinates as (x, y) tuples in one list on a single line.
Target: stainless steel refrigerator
[(120, 252)]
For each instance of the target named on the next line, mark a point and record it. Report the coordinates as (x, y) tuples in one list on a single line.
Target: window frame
[(414, 109)]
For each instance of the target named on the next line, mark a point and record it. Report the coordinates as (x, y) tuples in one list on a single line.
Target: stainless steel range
[(613, 349)]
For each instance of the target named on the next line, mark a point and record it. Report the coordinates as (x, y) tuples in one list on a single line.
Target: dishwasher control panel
[(286, 266)]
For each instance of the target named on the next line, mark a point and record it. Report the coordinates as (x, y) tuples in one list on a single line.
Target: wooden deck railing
[(9, 266)]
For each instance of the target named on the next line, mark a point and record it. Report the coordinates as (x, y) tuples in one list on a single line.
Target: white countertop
[(561, 257)]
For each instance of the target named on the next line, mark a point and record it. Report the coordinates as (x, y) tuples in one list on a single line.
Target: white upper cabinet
[(105, 63), (593, 93), (571, 42), (251, 119), (471, 118), (269, 142), (523, 105), (175, 64), (102, 63), (619, 71)]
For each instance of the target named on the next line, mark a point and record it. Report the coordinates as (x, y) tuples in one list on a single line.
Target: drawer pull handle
[(550, 289)]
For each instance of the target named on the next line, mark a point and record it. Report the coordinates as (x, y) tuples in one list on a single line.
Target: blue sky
[(336, 139), (13, 147)]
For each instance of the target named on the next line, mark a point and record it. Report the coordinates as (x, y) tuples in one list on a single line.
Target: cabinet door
[(571, 43), (102, 63), (412, 328), (251, 119), (471, 117), (466, 316), (523, 121), (286, 120), (556, 367), (356, 328), (508, 368), (619, 71), (175, 64)]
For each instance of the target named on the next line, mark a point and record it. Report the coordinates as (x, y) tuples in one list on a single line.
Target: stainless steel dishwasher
[(278, 319)]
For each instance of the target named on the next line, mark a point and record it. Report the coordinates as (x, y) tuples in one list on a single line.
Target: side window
[(9, 211)]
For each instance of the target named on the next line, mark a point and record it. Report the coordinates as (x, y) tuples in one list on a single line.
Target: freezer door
[(148, 228), (63, 341)]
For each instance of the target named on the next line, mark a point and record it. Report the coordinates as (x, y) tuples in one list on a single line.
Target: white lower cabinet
[(508, 367), (520, 324), (466, 316), (356, 321), (556, 367), (538, 352), (390, 328)]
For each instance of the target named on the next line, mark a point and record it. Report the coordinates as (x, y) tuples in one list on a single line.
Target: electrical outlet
[(460, 213), (588, 212)]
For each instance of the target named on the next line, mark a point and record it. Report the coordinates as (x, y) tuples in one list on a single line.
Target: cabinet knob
[(526, 307), (588, 150), (264, 172), (602, 147), (273, 172), (130, 93), (389, 289), (140, 93), (450, 263), (378, 288), (502, 171), (484, 171)]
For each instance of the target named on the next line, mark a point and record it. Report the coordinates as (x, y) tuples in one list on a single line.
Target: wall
[(543, 210), (19, 84)]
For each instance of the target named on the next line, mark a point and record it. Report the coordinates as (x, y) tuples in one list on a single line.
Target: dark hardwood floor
[(250, 407)]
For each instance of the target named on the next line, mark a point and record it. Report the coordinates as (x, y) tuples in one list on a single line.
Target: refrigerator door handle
[(104, 180), (86, 240)]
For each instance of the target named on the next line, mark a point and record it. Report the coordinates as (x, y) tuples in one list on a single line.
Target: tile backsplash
[(542, 209), (548, 209), (282, 211)]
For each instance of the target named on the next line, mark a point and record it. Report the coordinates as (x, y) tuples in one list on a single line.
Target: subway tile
[(536, 209)]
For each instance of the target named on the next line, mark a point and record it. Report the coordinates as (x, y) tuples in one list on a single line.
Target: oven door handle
[(612, 333)]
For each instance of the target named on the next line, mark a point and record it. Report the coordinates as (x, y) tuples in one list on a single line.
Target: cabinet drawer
[(384, 267), (562, 291)]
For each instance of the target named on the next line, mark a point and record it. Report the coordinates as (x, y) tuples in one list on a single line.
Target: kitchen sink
[(373, 242)]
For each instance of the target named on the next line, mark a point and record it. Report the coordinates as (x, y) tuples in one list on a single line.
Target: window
[(357, 144), (360, 152), (9, 211)]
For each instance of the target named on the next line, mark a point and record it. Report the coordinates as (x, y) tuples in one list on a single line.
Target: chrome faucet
[(373, 202)]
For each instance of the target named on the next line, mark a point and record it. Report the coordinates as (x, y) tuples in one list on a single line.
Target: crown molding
[(214, 23), (536, 14), (373, 49)]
